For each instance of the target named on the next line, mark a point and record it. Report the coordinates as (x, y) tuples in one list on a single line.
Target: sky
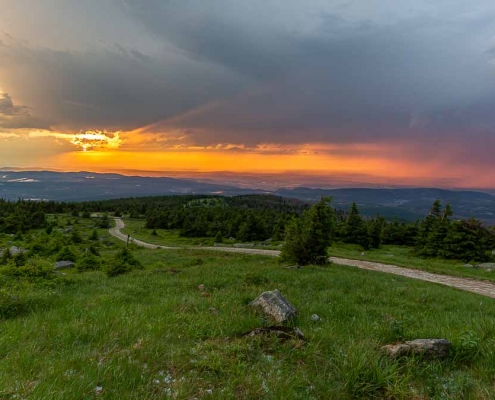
[(392, 91)]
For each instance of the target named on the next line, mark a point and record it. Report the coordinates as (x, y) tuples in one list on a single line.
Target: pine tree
[(94, 235), (219, 237), (376, 232), (426, 228), (307, 238), (355, 230), (466, 241), (440, 229)]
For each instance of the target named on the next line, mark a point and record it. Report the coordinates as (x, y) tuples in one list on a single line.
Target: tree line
[(437, 235), (250, 218)]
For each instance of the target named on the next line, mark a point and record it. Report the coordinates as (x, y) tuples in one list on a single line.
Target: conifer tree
[(355, 230), (307, 238), (376, 232), (440, 229), (219, 237), (426, 228), (466, 241)]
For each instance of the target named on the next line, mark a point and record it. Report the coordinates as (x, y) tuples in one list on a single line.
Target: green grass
[(165, 237), (403, 256), (388, 254), (151, 335), (171, 237)]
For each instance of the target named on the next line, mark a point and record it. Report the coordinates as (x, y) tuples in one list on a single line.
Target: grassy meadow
[(152, 334)]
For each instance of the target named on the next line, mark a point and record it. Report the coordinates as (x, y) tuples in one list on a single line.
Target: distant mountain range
[(407, 204)]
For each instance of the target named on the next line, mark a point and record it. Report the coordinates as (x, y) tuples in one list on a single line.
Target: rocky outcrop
[(275, 306)]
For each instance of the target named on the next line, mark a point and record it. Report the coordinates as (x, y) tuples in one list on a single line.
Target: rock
[(293, 267), (63, 265), (201, 288), (315, 318), (213, 310), (281, 332), (58, 273), (438, 348), (468, 265), (363, 253), (274, 305), (14, 250), (486, 266)]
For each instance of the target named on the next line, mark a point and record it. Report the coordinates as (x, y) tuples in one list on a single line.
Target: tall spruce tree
[(376, 232), (307, 238), (440, 229), (426, 228), (355, 229)]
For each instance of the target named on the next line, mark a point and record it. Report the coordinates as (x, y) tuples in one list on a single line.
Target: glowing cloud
[(96, 140)]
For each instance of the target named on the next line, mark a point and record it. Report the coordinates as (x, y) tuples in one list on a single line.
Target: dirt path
[(483, 288)]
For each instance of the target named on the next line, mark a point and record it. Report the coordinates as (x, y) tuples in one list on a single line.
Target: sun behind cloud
[(96, 140)]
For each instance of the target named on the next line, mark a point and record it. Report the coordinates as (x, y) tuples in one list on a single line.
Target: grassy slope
[(151, 333)]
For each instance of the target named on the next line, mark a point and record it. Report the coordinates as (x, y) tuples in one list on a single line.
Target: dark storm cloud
[(111, 87), (278, 71), (340, 80), (13, 116)]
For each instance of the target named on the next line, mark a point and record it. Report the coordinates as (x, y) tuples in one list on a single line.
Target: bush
[(36, 271), (123, 263), (467, 349), (67, 254), (11, 305), (89, 262)]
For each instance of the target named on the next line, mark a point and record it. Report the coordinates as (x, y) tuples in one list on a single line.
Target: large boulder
[(275, 306), (437, 348), (63, 265)]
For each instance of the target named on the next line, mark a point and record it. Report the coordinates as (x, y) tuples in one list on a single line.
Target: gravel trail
[(483, 288)]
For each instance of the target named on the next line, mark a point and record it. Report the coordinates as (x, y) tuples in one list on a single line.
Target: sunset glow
[(164, 97)]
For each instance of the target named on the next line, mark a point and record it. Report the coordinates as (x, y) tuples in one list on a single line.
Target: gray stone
[(486, 266), (469, 265), (14, 250), (438, 348), (275, 306), (201, 288), (293, 267), (315, 318), (63, 265)]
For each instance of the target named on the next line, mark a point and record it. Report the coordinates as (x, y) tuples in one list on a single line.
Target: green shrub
[(89, 262), (467, 349), (11, 305), (67, 254), (123, 263)]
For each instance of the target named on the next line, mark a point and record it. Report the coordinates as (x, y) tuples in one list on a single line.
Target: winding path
[(483, 288)]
